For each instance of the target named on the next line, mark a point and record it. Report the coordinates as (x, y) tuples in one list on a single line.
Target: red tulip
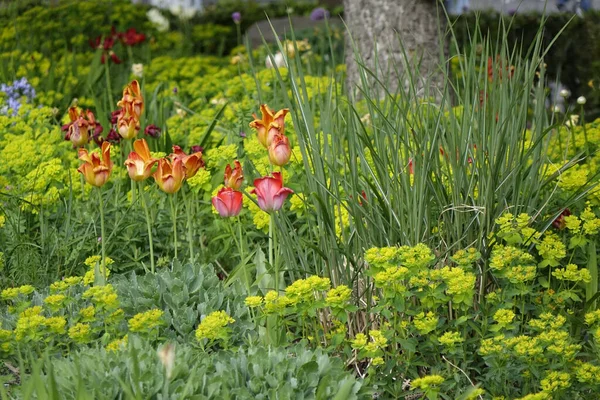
[(228, 202), (234, 177), (270, 192)]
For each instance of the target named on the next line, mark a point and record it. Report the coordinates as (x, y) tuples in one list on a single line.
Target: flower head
[(270, 192), (191, 163), (236, 17), (319, 14), (234, 177), (228, 202), (152, 130), (96, 169), (140, 162), (280, 150), (132, 102), (169, 175), (271, 123)]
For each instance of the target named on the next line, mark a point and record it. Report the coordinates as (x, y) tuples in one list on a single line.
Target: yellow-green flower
[(359, 341), (80, 333), (117, 344), (339, 296), (588, 373), (146, 322), (425, 323), (56, 325), (504, 317), (253, 301), (450, 339), (55, 301), (377, 361), (573, 274), (87, 314), (427, 382), (555, 381), (214, 326)]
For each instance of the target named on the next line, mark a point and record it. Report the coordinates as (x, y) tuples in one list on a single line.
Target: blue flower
[(319, 14), (14, 95)]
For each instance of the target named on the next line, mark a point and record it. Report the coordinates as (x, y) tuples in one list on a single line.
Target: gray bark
[(378, 26)]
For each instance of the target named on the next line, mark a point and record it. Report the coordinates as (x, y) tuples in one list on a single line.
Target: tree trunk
[(378, 26)]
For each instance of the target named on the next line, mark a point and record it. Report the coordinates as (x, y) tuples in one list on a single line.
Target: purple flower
[(14, 95), (236, 17), (319, 14), (152, 130), (242, 134), (175, 90), (113, 136)]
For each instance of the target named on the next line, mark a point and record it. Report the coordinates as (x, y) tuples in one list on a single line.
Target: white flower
[(557, 109), (581, 100), (573, 120), (166, 354), (564, 93), (160, 22), (279, 61), (137, 70), (183, 13)]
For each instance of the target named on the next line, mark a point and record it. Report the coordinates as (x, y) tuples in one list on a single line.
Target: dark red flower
[(131, 37), (152, 130), (197, 149), (559, 222), (113, 136), (114, 116)]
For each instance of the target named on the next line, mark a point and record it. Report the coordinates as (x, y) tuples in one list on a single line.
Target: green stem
[(246, 277), (189, 224), (271, 241), (108, 86), (130, 149), (148, 224), (592, 287), (103, 234), (174, 218)]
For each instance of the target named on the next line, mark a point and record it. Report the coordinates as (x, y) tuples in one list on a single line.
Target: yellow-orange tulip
[(78, 129), (234, 177), (96, 168), (169, 175), (139, 163), (128, 126), (192, 163), (132, 102), (271, 123)]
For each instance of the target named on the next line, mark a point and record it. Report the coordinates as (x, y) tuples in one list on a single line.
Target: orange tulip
[(169, 175), (234, 177), (132, 101), (279, 150), (78, 129), (96, 169), (139, 163), (128, 126), (192, 163), (270, 123)]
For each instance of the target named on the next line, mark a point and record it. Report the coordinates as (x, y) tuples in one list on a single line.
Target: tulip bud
[(128, 127), (279, 150), (153, 131), (234, 177)]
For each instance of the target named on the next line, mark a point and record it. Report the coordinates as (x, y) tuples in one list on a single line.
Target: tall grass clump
[(425, 163)]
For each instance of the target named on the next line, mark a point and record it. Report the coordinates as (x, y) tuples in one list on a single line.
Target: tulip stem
[(189, 224), (102, 234), (108, 86), (246, 277), (148, 224), (130, 149), (271, 242), (174, 217)]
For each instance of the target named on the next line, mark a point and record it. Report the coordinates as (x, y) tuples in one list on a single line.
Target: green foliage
[(573, 55)]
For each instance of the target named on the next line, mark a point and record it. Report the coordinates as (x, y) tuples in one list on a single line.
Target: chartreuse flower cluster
[(215, 327)]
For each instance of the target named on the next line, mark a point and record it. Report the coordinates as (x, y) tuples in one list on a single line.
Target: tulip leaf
[(212, 125)]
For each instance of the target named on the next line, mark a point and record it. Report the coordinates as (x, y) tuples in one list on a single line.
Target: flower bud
[(581, 100)]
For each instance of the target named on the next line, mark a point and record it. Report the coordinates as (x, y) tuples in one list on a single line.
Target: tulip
[(270, 124), (132, 102), (279, 150), (192, 163), (128, 126), (169, 175), (270, 192), (228, 202), (152, 130), (140, 162), (78, 129), (96, 169), (234, 177)]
